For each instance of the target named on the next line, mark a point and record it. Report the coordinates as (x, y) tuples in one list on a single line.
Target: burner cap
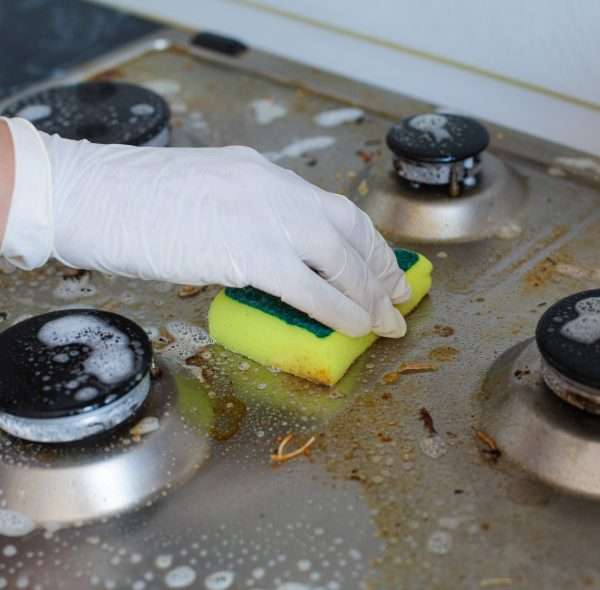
[(437, 138), (102, 112), (69, 374), (568, 337)]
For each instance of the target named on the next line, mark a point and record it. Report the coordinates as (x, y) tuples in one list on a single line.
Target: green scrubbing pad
[(272, 333)]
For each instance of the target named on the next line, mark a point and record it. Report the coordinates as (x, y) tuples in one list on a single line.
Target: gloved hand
[(201, 216)]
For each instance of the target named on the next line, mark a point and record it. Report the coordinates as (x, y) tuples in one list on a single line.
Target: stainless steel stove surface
[(469, 475)]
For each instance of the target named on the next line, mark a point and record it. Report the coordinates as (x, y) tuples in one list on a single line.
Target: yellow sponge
[(272, 333)]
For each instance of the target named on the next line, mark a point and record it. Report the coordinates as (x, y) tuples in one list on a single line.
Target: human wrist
[(29, 234), (7, 174)]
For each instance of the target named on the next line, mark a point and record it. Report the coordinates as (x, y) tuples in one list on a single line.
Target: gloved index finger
[(357, 228)]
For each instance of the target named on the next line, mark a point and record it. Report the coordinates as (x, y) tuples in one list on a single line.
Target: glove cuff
[(29, 236)]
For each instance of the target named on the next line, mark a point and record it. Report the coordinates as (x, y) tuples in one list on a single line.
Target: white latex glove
[(201, 216)]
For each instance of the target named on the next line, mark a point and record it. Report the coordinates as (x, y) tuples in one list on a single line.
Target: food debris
[(365, 156), (281, 457), (427, 420), (492, 451), (408, 368), (444, 354), (495, 582), (145, 426), (391, 378), (229, 413), (547, 270), (577, 272), (363, 189), (155, 370), (188, 291), (164, 339), (72, 273), (520, 373), (417, 367), (443, 331)]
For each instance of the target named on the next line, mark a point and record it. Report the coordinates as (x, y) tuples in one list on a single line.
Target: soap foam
[(111, 359), (86, 394), (584, 329), (300, 147), (266, 111), (336, 117), (187, 340)]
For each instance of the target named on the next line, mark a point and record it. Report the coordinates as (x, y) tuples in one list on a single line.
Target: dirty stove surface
[(387, 498)]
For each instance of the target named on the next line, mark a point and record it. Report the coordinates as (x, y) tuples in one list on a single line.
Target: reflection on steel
[(67, 484), (429, 214), (552, 440)]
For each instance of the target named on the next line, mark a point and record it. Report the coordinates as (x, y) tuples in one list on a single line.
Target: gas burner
[(543, 397), (102, 112), (71, 374), (568, 337), (445, 188), (126, 468), (438, 149)]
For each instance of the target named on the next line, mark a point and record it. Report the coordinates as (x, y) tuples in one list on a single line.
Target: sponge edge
[(274, 342)]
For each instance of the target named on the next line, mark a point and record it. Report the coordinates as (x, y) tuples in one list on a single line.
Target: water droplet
[(180, 577)]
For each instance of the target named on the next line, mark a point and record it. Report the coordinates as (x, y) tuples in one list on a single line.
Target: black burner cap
[(70, 362), (102, 112), (437, 138), (568, 336)]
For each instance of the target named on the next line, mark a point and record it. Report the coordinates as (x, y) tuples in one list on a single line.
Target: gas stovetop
[(469, 473)]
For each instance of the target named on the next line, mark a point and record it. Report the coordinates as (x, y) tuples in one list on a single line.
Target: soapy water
[(180, 577), (336, 117), (219, 580), (266, 111), (187, 340), (111, 360), (584, 329), (142, 109), (440, 542), (163, 562), (9, 551), (164, 87), (300, 147), (15, 524)]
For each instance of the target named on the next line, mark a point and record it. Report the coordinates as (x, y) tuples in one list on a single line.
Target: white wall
[(533, 65)]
